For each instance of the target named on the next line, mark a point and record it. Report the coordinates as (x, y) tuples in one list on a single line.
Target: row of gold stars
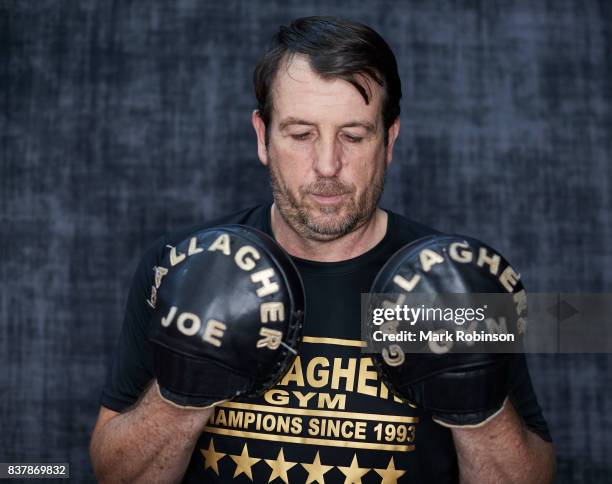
[(316, 470)]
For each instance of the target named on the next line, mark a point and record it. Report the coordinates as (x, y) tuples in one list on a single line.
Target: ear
[(260, 131), (393, 133)]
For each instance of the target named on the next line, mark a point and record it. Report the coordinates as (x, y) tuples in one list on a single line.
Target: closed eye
[(354, 139), (301, 136)]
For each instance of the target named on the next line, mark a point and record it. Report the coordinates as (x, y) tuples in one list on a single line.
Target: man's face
[(326, 152)]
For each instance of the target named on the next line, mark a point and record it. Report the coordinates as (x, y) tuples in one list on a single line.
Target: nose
[(327, 162)]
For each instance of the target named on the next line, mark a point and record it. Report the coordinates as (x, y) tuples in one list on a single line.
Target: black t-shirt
[(329, 419)]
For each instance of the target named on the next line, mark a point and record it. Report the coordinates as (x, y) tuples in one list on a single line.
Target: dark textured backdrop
[(121, 120)]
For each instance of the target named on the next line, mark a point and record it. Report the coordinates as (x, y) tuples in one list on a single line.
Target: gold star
[(279, 467), (390, 475), (354, 473), (244, 462), (211, 457), (316, 470)]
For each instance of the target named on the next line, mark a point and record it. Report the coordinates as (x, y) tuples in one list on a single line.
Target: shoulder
[(253, 216), (406, 230)]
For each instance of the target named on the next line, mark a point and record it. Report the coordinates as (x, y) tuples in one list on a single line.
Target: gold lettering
[(347, 429), (194, 325), (222, 243), (520, 298), (235, 418), (153, 299), (313, 427), (384, 391), (326, 401), (296, 425), (167, 320), (282, 424), (509, 278), (348, 373), (406, 285), (411, 433), (303, 399), (267, 286), (393, 355), (221, 420), (245, 257), (176, 258), (331, 428), (360, 430), (322, 376), (193, 247), (269, 422), (429, 258), (160, 272), (460, 252), (213, 332), (277, 397), (366, 373), (271, 338), (249, 418), (272, 311), (491, 260), (294, 374)]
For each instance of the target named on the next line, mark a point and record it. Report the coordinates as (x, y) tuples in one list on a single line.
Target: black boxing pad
[(462, 387), (228, 316)]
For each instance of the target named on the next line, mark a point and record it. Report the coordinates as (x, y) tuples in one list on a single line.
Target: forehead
[(298, 91)]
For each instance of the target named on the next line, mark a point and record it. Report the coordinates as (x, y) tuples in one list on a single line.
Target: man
[(328, 117)]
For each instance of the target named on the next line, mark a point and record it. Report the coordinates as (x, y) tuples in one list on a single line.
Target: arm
[(503, 450), (202, 339), (152, 442)]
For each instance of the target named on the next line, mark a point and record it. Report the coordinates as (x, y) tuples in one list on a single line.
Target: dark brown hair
[(336, 48)]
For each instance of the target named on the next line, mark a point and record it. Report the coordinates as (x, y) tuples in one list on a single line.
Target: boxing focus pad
[(458, 385), (229, 307)]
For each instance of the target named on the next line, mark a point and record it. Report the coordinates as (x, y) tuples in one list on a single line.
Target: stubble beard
[(301, 212)]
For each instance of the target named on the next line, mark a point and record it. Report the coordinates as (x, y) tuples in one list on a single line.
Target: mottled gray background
[(122, 120)]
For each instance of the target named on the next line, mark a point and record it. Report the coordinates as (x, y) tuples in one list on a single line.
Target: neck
[(346, 247)]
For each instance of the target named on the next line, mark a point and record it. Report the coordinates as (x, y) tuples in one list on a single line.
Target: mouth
[(328, 199)]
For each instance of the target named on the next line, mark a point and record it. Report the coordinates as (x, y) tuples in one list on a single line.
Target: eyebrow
[(352, 124)]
